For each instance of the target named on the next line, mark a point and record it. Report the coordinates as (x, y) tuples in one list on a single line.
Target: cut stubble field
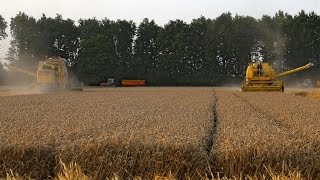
[(161, 131)]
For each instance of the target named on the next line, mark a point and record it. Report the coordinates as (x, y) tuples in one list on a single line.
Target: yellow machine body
[(262, 77), (53, 72)]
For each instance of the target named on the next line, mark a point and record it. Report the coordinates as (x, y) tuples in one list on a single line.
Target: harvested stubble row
[(259, 133), (123, 131), (313, 94)]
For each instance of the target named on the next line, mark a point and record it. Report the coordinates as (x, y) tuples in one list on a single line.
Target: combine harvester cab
[(262, 77)]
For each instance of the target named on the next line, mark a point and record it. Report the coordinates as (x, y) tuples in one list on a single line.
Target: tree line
[(203, 52)]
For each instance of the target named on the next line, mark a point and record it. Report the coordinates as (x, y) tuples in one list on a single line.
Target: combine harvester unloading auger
[(51, 75), (262, 77)]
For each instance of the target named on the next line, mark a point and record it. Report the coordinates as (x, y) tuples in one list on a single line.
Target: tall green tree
[(244, 37), (303, 45), (3, 35), (92, 51), (173, 52), (57, 37), (3, 75), (220, 39), (98, 58), (33, 39), (202, 62), (303, 32), (24, 33), (123, 38), (3, 27), (12, 54), (146, 52)]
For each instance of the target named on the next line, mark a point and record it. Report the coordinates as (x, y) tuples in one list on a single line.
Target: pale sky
[(160, 10)]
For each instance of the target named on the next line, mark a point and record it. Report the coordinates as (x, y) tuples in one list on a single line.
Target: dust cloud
[(275, 44), (20, 90), (18, 83)]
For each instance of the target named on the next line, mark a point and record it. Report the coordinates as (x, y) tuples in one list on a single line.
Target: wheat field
[(259, 132), (165, 132), (128, 132)]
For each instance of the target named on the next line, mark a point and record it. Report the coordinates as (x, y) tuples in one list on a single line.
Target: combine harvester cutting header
[(261, 77)]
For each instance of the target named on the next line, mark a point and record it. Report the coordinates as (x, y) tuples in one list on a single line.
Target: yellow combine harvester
[(52, 73), (262, 77)]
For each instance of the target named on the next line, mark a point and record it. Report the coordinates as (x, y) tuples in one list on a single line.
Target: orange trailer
[(127, 82)]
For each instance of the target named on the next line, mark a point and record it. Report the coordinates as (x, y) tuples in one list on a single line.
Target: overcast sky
[(160, 10)]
